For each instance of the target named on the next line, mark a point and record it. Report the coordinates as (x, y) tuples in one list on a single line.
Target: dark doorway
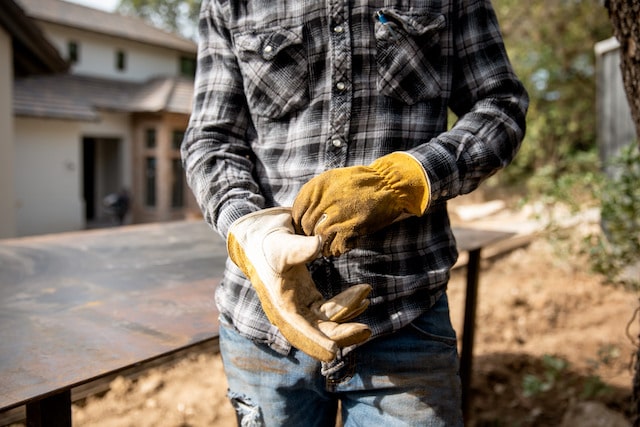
[(101, 175), (89, 177)]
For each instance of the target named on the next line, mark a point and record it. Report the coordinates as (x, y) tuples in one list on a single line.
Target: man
[(318, 147)]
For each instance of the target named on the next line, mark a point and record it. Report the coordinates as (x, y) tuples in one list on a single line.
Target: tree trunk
[(625, 18)]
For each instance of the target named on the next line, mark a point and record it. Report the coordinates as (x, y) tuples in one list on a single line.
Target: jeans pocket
[(435, 324), (408, 55), (274, 68)]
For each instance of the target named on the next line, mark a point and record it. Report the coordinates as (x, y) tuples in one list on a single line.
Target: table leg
[(471, 300), (52, 411)]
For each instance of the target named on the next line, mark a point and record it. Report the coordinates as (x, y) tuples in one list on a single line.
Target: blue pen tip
[(381, 17)]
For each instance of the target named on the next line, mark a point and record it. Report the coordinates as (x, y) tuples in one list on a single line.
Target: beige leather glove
[(265, 247), (343, 204)]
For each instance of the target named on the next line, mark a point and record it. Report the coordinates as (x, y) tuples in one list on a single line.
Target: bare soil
[(550, 334)]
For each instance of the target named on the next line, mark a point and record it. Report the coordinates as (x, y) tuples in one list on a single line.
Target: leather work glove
[(265, 247), (343, 204)]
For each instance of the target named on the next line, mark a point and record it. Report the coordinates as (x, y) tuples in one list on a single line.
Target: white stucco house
[(112, 118)]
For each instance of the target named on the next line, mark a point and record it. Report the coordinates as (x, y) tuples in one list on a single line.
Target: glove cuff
[(406, 175)]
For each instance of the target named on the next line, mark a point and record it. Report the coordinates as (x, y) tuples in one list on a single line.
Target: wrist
[(406, 175)]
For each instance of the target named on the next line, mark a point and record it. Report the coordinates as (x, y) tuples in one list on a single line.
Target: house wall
[(97, 55), (48, 155), (49, 169), (7, 192), (47, 174)]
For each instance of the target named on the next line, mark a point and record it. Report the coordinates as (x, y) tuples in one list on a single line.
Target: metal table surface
[(75, 307)]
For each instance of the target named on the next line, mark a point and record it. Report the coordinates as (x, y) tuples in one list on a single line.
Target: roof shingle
[(98, 21), (73, 97)]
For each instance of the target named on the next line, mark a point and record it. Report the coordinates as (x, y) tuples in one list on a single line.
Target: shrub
[(618, 245)]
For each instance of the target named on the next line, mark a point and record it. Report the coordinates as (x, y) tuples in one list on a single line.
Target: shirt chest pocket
[(274, 69), (408, 55)]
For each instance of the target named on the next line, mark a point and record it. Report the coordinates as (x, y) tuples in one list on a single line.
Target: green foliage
[(619, 245), (574, 186), (176, 16), (533, 385), (593, 388), (550, 43), (555, 378)]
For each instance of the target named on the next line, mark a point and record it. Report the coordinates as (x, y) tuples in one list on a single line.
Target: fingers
[(267, 250), (345, 334), (306, 212), (347, 304), (286, 249)]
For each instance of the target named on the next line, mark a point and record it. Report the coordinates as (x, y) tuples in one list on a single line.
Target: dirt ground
[(549, 335)]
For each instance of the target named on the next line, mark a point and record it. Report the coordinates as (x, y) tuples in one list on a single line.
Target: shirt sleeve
[(490, 102), (216, 152)]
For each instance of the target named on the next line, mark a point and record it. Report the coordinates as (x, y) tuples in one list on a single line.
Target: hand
[(343, 204), (265, 247)]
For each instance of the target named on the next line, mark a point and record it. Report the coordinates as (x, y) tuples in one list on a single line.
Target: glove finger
[(297, 323), (345, 334), (310, 220), (341, 244), (337, 243), (298, 211), (338, 234), (287, 249), (347, 304), (305, 210), (306, 338), (353, 312)]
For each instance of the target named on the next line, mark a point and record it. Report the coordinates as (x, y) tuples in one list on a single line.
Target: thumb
[(288, 249)]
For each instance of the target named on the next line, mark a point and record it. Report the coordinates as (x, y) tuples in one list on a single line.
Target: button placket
[(341, 92)]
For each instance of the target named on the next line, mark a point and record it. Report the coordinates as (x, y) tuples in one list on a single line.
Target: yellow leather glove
[(267, 250), (343, 204)]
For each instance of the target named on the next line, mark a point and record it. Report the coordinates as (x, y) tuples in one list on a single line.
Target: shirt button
[(338, 29), (268, 49), (337, 143), (341, 86)]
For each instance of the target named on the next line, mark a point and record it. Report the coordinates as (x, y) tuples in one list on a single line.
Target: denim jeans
[(409, 378)]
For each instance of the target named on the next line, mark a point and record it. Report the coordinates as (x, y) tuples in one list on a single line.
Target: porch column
[(163, 183), (7, 154)]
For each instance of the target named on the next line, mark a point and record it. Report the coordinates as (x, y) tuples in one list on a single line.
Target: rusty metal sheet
[(78, 306), (471, 239)]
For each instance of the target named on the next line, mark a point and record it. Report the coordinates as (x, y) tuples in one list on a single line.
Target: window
[(121, 60), (73, 52), (150, 140), (178, 182), (187, 66), (176, 141), (150, 182)]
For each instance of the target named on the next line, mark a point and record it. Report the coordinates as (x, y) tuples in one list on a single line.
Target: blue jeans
[(409, 378)]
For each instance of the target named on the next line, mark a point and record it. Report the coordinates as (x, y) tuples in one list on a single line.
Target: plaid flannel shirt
[(288, 89)]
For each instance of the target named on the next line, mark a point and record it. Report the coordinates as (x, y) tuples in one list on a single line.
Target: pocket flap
[(267, 44), (417, 25)]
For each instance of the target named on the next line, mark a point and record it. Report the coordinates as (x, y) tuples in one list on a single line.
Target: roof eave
[(34, 53)]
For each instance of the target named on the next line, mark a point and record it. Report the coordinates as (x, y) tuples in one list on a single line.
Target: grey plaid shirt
[(288, 89)]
